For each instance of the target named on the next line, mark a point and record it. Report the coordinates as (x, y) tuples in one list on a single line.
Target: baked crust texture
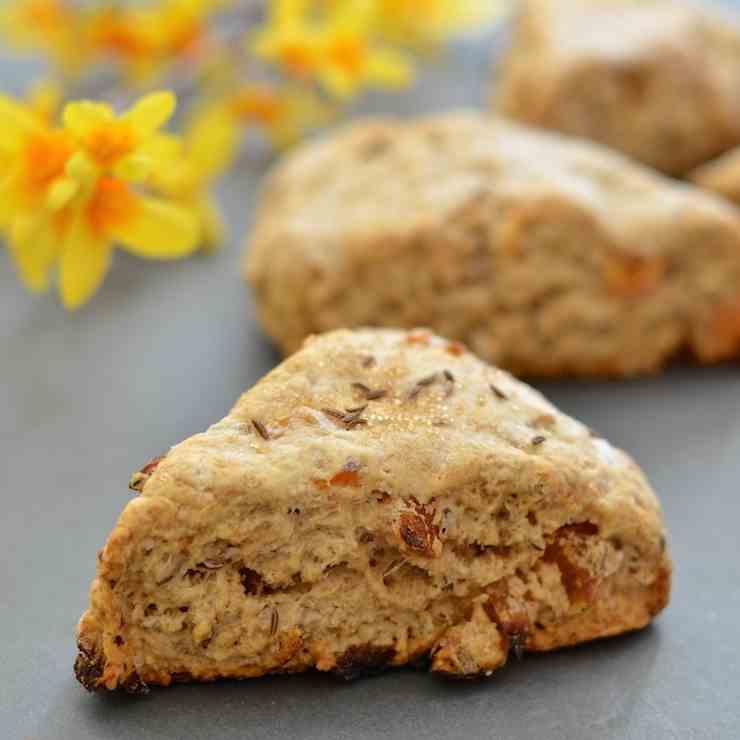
[(721, 176), (381, 498), (546, 255)]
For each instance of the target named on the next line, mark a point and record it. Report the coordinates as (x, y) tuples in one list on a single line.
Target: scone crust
[(721, 176), (504, 512), (657, 80), (546, 255)]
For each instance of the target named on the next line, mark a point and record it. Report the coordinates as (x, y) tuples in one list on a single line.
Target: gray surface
[(161, 353)]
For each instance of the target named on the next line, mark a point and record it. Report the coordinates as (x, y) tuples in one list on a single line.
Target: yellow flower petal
[(159, 230), (338, 83), (45, 99), (211, 140), (288, 11), (167, 162), (9, 200), (61, 193), (85, 260), (134, 168), (80, 168), (164, 148), (16, 122), (34, 252), (151, 113), (389, 68), (303, 111), (82, 118)]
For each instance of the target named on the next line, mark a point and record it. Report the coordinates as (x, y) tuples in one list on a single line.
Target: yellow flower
[(180, 25), (189, 166), (113, 211), (45, 100), (34, 157), (337, 48), (350, 59), (284, 114), (42, 101), (421, 22), (289, 39), (68, 194), (50, 25), (124, 35), (110, 143), (145, 40)]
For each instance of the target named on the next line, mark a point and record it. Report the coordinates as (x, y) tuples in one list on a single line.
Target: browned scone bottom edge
[(493, 624)]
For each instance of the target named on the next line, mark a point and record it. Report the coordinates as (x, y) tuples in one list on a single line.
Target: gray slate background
[(162, 352)]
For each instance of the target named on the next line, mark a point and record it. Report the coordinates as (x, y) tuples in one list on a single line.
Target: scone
[(656, 79), (721, 176), (381, 497), (546, 255)]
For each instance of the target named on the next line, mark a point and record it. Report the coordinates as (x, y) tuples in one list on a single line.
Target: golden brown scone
[(380, 497), (656, 79), (546, 255), (721, 176)]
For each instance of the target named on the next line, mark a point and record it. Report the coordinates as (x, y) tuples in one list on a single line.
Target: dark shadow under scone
[(380, 498)]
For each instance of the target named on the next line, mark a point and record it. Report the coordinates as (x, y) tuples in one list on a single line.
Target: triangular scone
[(656, 79), (380, 498), (546, 255)]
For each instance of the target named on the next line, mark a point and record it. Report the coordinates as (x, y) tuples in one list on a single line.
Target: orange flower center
[(298, 58), (258, 104), (349, 53), (113, 203), (110, 142), (186, 38), (117, 35), (46, 157)]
